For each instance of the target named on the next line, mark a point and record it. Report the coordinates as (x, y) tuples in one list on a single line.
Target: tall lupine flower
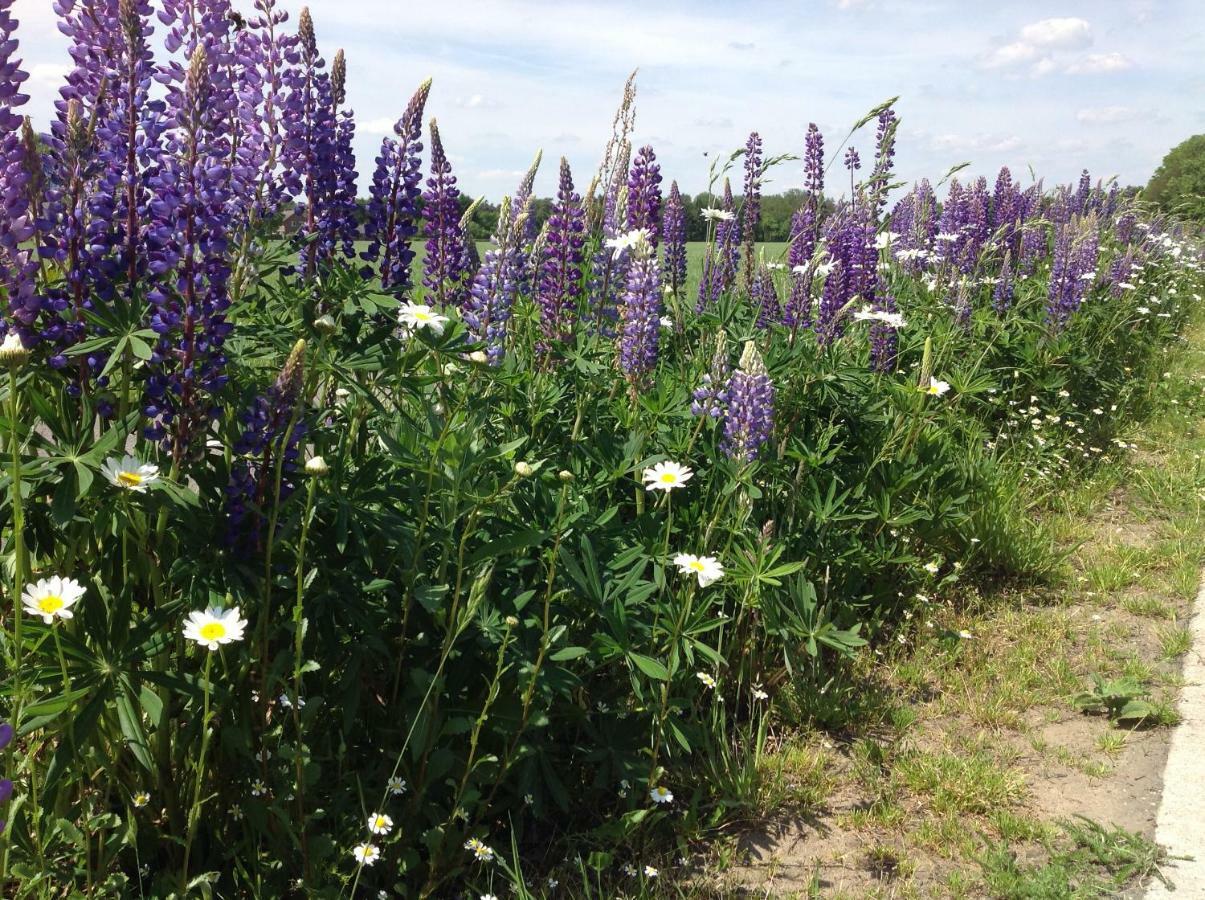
[(644, 195), (524, 209), (189, 237), (1079, 200), (640, 310), (608, 269), (763, 297), (310, 164), (852, 160), (273, 428), (1002, 294), (561, 261), (1033, 247), (491, 296), (720, 267), (749, 407), (1073, 267), (392, 221), (1124, 230), (797, 312), (1120, 272), (751, 205), (708, 398), (17, 265), (444, 264), (884, 338), (263, 52), (673, 229), (880, 175), (1007, 212), (343, 208)]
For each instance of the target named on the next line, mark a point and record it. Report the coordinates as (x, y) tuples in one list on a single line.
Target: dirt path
[(981, 775)]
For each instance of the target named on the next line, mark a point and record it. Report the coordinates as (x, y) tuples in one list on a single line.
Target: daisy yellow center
[(379, 822), (696, 565), (50, 604), (129, 479), (422, 316), (668, 477), (212, 631)]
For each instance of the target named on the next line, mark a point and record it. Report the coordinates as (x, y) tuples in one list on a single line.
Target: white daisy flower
[(760, 694), (489, 897), (661, 795), (639, 241), (666, 322), (129, 474), (707, 680), (52, 598), (708, 568), (665, 476), (214, 627), (932, 568), (651, 872), (258, 788), (141, 799), (885, 239), (480, 851), (936, 387), (413, 316), (396, 786), (379, 823), (366, 854), (711, 214), (895, 320)]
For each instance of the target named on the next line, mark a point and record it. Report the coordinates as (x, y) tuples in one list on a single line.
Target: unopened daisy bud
[(316, 466), (565, 475), (12, 351), (325, 325), (524, 469), (479, 357), (511, 622)]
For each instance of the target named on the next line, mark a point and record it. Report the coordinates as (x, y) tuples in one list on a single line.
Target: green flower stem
[(298, 640), (194, 812)]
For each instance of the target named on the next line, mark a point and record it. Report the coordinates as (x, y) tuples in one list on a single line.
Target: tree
[(1178, 185)]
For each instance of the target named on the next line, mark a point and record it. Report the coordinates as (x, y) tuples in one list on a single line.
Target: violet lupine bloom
[(491, 296), (852, 160), (263, 53), (1124, 230), (884, 339), (392, 220), (673, 229), (188, 237), (524, 211), (708, 398), (17, 265), (1002, 294), (1120, 273), (763, 297), (1073, 268), (640, 314), (310, 167), (1033, 247), (797, 312), (833, 298), (751, 204), (749, 407), (343, 207), (719, 269), (1079, 200), (444, 264), (608, 269), (561, 261), (273, 426), (644, 195), (1007, 212), (880, 174)]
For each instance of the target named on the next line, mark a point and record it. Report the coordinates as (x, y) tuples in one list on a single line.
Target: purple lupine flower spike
[(561, 262), (719, 269), (751, 206), (1002, 294), (673, 229), (852, 160), (491, 295), (749, 407), (17, 265), (444, 264), (763, 297), (644, 195), (880, 175), (708, 397), (640, 313), (344, 211), (392, 219)]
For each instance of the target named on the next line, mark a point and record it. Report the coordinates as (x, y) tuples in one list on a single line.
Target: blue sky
[(1108, 85)]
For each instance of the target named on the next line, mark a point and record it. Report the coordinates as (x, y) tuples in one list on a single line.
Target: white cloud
[(975, 143), (476, 101), (495, 174), (1067, 33), (379, 126), (1096, 63), (1106, 115), (1010, 55)]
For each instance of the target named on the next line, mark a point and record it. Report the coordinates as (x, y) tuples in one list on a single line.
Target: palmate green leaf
[(131, 724), (519, 540), (567, 653), (649, 666)]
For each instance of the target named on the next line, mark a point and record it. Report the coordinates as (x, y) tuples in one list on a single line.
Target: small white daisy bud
[(511, 622), (325, 325), (12, 351), (524, 469), (565, 475), (479, 357), (316, 466)]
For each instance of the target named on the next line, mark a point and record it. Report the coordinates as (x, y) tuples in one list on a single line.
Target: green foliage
[(1121, 699), (1178, 185)]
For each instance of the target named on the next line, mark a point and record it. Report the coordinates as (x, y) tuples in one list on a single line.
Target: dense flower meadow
[(344, 557)]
